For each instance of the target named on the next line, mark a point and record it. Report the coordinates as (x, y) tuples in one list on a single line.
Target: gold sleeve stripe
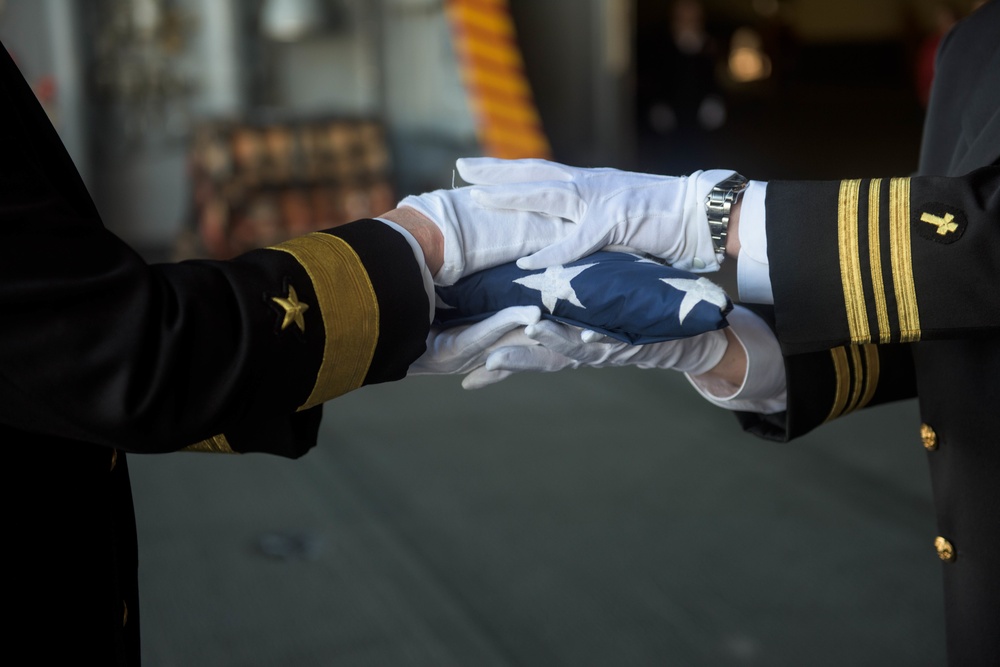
[(856, 379), (872, 375), (902, 259), (875, 258), (215, 445), (349, 308), (841, 392), (850, 263)]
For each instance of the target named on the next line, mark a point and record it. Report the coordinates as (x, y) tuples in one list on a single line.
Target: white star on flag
[(696, 291), (554, 284)]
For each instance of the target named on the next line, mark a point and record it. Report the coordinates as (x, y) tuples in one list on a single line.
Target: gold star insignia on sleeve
[(294, 310)]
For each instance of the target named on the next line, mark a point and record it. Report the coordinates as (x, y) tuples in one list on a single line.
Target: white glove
[(464, 349), (477, 238), (663, 216), (562, 346)]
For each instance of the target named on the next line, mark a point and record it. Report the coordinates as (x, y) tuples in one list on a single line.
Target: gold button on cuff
[(945, 550), (929, 437), (114, 458)]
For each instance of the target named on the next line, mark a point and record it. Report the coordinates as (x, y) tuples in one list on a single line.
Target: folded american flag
[(624, 296)]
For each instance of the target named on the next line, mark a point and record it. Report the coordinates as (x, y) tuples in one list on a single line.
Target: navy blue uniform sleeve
[(861, 269), (97, 345)]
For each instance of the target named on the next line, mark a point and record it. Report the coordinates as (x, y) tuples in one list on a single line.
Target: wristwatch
[(718, 204)]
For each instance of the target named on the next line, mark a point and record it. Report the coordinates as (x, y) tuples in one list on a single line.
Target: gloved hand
[(663, 216), (464, 349), (477, 238), (558, 346)]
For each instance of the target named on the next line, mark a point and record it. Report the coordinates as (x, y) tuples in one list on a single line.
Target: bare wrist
[(427, 234), (733, 233)]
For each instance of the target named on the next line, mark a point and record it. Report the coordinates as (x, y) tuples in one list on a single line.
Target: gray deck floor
[(605, 517)]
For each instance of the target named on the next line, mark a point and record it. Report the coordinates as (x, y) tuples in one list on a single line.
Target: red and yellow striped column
[(507, 121)]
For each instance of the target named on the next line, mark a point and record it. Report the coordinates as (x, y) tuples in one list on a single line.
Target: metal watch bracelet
[(719, 204)]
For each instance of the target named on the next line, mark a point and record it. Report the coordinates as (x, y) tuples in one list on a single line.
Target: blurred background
[(582, 518)]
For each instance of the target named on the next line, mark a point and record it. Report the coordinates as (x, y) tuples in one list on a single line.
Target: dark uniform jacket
[(887, 288), (102, 354)]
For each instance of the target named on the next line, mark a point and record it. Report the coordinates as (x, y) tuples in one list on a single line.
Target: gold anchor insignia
[(293, 310), (944, 225)]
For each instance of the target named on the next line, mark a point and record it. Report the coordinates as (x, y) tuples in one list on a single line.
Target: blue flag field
[(627, 297)]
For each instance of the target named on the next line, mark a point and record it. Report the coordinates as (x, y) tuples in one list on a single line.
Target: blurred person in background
[(680, 101), (944, 20)]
